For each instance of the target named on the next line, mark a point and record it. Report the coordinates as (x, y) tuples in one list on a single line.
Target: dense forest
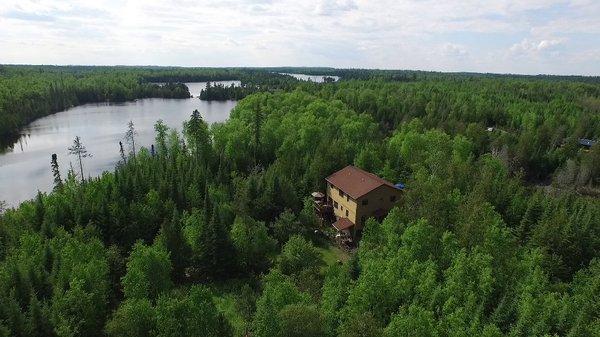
[(212, 233), (251, 82), (30, 92)]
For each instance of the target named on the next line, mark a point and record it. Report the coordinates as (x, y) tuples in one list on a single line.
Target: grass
[(332, 254)]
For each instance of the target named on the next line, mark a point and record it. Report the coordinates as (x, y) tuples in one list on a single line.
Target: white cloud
[(454, 50), (331, 7), (527, 47), (453, 35)]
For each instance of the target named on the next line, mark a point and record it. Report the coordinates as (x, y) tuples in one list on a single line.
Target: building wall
[(344, 203), (384, 197), (354, 210)]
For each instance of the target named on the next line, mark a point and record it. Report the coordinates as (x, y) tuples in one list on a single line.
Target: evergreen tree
[(79, 150), (122, 153), (40, 211), (133, 318), (171, 235), (148, 272), (38, 317), (213, 250), (161, 137), (56, 172), (198, 137), (130, 136), (256, 130)]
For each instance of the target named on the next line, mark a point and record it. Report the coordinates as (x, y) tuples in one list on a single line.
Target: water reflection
[(26, 168), (312, 78)]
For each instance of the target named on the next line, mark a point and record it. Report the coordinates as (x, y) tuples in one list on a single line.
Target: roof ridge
[(355, 181), (373, 175)]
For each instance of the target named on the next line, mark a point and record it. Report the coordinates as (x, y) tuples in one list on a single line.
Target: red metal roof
[(342, 223), (356, 182)]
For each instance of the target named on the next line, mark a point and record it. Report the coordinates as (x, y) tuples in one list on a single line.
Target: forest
[(251, 82), (211, 232), (31, 92)]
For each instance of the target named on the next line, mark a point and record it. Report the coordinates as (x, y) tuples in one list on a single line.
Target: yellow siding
[(345, 203), (379, 198)]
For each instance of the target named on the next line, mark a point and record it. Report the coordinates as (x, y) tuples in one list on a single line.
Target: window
[(335, 204), (393, 198), (341, 193), (365, 202), (341, 207), (346, 213), (347, 197)]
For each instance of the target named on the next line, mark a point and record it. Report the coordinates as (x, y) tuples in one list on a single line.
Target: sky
[(503, 36)]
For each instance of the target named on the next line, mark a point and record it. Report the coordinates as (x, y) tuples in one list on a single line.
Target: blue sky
[(505, 36)]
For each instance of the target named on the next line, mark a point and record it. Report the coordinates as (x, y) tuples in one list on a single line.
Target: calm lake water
[(313, 78), (101, 126)]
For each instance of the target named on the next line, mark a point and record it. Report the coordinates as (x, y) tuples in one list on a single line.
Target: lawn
[(332, 254)]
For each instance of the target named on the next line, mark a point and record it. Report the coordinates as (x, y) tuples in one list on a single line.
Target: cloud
[(331, 7), (454, 50), (28, 16), (527, 47), (452, 35), (231, 42)]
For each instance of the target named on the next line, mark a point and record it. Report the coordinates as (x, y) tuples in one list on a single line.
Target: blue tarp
[(586, 142)]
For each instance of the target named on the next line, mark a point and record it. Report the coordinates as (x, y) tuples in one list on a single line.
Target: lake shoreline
[(25, 167), (7, 142)]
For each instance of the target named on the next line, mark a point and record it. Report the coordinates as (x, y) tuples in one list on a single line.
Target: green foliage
[(252, 243), (412, 322), (189, 315), (481, 244), (298, 255), (212, 250), (360, 325), (133, 318), (30, 92), (171, 236), (278, 293), (300, 320), (148, 272), (197, 136), (336, 287), (250, 82)]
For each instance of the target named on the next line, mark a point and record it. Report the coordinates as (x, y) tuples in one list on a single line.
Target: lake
[(312, 78), (101, 126)]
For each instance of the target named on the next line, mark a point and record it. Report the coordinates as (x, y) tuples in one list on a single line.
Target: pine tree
[(130, 136), (174, 241), (56, 172), (257, 124), (79, 150), (197, 136), (38, 320), (161, 137), (39, 211), (122, 152), (213, 248)]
